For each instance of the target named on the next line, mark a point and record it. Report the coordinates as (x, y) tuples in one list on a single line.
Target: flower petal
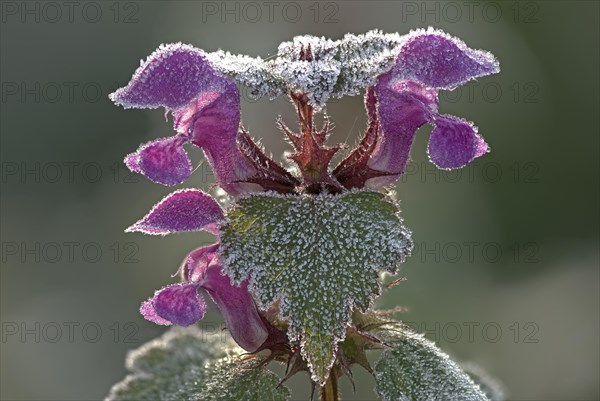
[(438, 60), (212, 122), (170, 77), (195, 264), (147, 310), (238, 309), (403, 107), (163, 161), (177, 304), (454, 143), (181, 211)]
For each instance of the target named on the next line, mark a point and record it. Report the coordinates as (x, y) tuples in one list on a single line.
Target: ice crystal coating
[(188, 364), (320, 255), (308, 65), (252, 72), (363, 58), (415, 369), (181, 211), (322, 68)]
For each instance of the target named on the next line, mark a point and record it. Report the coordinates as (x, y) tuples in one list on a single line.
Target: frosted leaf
[(229, 379), (308, 64), (320, 255), (363, 58), (189, 364), (252, 72), (414, 369), (324, 69)]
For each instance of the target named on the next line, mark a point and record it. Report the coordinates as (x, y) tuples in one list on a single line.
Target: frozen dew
[(252, 72)]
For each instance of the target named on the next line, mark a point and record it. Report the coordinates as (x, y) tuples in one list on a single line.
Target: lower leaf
[(191, 365), (414, 369)]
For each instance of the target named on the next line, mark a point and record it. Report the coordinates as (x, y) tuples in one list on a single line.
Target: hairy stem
[(329, 392)]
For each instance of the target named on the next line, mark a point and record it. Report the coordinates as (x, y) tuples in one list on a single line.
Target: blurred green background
[(505, 274)]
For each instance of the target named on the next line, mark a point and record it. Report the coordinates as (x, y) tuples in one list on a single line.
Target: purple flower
[(181, 304), (405, 98), (206, 110)]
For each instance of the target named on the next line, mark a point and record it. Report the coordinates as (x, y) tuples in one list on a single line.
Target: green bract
[(319, 255), (415, 369), (188, 364)]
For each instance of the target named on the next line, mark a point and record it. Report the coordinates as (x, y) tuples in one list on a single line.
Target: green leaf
[(415, 369), (188, 364), (320, 255)]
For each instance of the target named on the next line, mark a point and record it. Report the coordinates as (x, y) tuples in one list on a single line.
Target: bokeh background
[(505, 274)]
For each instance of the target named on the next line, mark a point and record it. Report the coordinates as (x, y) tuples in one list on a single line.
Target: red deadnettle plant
[(301, 249)]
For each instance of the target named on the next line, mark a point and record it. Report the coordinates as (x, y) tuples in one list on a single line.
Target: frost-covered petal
[(181, 211), (171, 77), (234, 302), (147, 310), (163, 161), (454, 143), (438, 60), (178, 304)]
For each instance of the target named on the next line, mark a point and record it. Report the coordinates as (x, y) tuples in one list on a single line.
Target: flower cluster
[(400, 76)]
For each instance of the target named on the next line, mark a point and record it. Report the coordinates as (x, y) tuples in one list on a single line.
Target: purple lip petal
[(481, 147), (454, 143), (179, 304), (181, 211), (163, 161), (147, 310), (132, 161), (438, 60), (171, 77), (237, 307)]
